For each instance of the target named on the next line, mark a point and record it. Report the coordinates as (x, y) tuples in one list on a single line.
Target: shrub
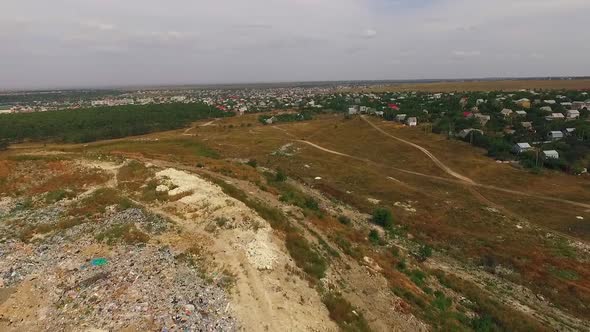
[(374, 237), (424, 253), (344, 220), (344, 314), (304, 256), (252, 163), (383, 218), (280, 176)]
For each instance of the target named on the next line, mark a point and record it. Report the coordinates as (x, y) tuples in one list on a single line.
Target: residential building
[(550, 154), (506, 112), (555, 135), (519, 148), (555, 116), (573, 114), (523, 103), (412, 121)]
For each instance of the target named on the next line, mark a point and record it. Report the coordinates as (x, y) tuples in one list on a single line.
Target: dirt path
[(438, 163)]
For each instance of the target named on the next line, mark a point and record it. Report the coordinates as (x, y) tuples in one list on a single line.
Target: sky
[(101, 43)]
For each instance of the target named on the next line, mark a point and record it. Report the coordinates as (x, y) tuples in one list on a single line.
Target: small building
[(569, 131), (352, 111), (566, 104), (523, 103), (527, 125), (400, 117), (573, 114), (550, 154), (546, 109), (578, 105), (412, 121), (364, 109), (550, 102), (506, 112), (554, 135), (465, 132), (482, 118), (520, 113), (555, 116), (519, 148)]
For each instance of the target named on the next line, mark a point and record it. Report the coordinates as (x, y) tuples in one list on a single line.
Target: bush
[(424, 252), (383, 218), (280, 176), (305, 256), (252, 163), (344, 220), (344, 314), (374, 237)]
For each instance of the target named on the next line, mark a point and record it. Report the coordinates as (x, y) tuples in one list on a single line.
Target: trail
[(463, 182), (439, 163)]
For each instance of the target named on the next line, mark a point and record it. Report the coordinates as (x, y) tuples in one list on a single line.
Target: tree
[(383, 218)]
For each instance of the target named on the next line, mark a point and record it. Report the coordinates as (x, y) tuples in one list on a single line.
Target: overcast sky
[(81, 43)]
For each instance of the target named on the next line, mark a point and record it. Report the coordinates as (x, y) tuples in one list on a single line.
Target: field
[(500, 85), (513, 243)]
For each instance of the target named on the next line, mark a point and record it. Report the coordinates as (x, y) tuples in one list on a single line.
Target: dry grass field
[(523, 229), (502, 85)]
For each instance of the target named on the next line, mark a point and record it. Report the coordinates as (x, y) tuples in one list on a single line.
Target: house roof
[(524, 145)]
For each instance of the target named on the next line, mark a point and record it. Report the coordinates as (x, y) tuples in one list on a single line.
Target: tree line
[(92, 124)]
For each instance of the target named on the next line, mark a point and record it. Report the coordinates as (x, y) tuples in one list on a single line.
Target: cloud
[(370, 33), (466, 54), (76, 43)]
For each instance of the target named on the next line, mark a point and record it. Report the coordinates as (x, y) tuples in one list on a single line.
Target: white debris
[(580, 218), (318, 178), (162, 188), (373, 201), (518, 226)]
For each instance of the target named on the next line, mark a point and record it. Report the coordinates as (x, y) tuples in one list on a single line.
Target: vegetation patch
[(305, 256), (127, 233), (344, 314)]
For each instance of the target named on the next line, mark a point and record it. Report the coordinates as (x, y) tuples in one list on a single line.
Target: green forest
[(92, 124)]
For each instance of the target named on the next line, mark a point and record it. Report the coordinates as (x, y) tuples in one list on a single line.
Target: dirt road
[(438, 163)]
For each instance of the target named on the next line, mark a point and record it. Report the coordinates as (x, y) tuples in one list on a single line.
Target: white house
[(519, 148), (465, 132), (546, 109), (527, 125), (550, 102), (569, 131), (412, 121), (550, 154), (482, 118), (506, 112), (555, 135), (352, 110), (400, 117), (555, 116), (573, 114), (520, 113)]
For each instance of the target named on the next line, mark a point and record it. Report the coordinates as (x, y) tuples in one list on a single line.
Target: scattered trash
[(580, 218), (318, 178), (518, 226), (98, 261)]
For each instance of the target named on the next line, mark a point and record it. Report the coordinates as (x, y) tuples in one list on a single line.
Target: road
[(438, 163)]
